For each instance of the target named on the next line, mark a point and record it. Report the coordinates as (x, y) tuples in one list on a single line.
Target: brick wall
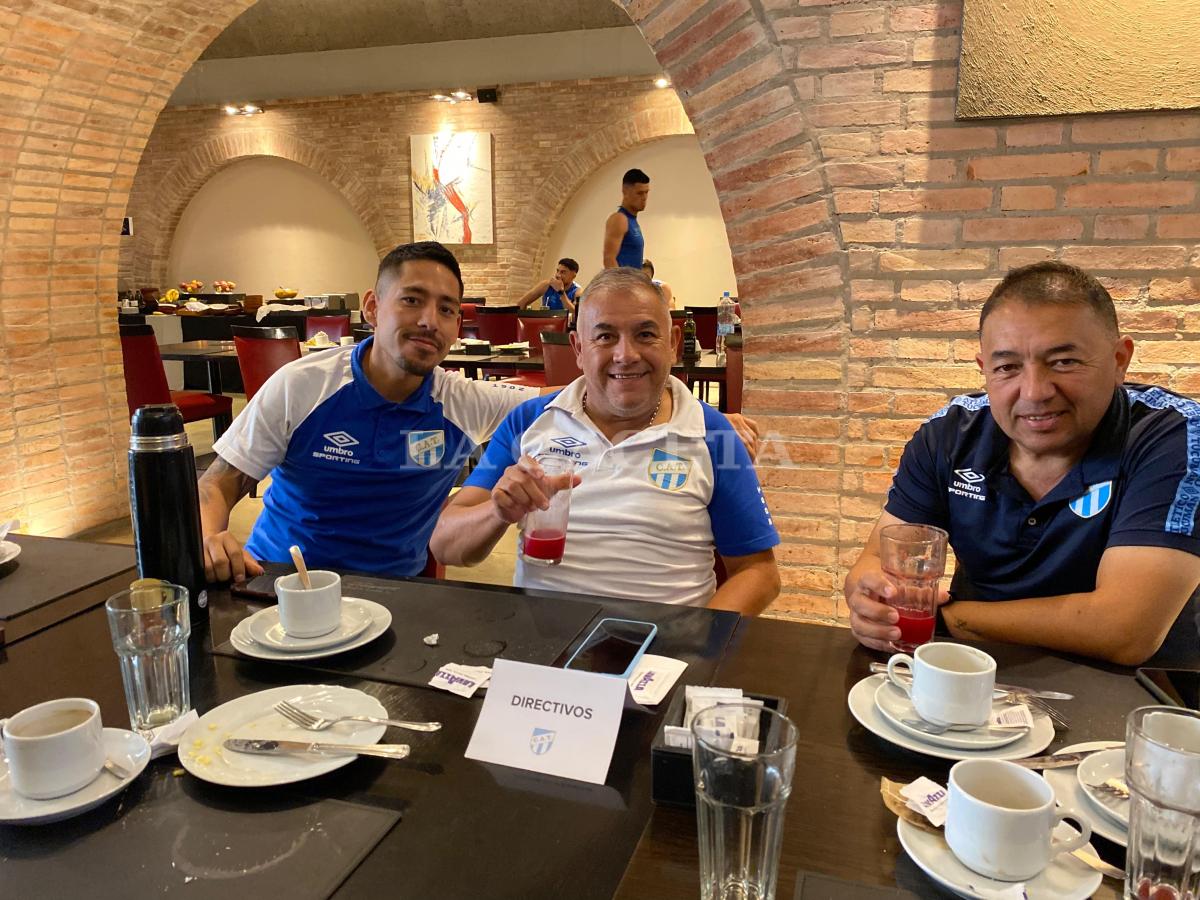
[(866, 227), (547, 139)]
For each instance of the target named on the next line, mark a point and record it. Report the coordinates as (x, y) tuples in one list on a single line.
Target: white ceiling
[(274, 27)]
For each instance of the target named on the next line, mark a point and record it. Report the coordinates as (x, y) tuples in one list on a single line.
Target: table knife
[(878, 668), (279, 748), (1055, 761)]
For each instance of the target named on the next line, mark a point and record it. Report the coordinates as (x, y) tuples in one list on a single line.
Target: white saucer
[(127, 749), (1070, 795), (1094, 770), (264, 626), (253, 716), (9, 550), (1066, 878), (896, 706), (381, 621), (861, 701)]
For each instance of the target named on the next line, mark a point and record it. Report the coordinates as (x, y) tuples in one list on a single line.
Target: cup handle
[(1068, 845), (904, 684)]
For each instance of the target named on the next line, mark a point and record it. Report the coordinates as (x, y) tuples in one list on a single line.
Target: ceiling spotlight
[(662, 81), (440, 98), (460, 94), (231, 110), (250, 109), (245, 109)]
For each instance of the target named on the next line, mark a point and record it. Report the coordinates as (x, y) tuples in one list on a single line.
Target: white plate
[(264, 626), (1066, 878), (861, 701), (202, 751), (9, 550), (127, 749), (896, 706), (381, 621), (1094, 770), (1070, 795)]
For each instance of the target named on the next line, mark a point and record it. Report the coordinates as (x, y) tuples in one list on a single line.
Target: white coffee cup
[(1000, 820), (951, 684), (54, 748), (309, 612)]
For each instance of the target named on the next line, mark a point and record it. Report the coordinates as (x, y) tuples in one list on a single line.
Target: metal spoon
[(930, 728), (117, 771)]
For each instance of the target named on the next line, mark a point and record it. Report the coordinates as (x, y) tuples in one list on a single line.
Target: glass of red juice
[(914, 560), (544, 532)]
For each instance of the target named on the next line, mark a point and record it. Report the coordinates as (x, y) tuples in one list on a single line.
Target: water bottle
[(691, 347), (724, 321), (165, 503)]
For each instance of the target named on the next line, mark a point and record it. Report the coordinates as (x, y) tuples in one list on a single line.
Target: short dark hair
[(430, 250), (1053, 283), (646, 264), (569, 263), (634, 176)]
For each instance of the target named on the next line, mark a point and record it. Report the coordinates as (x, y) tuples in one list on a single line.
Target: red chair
[(146, 382), (335, 327), (468, 325), (706, 325), (531, 323), (733, 373), (561, 366), (498, 324), (261, 351)]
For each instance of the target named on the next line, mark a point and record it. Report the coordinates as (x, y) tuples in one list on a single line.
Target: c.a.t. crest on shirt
[(426, 448), (668, 471)]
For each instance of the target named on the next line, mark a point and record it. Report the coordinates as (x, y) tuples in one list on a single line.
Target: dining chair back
[(334, 326), (733, 373), (468, 325), (146, 382), (261, 351), (706, 325), (561, 365), (498, 324), (532, 322)]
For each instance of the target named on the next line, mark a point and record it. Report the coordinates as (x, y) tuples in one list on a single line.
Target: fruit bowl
[(224, 287), (191, 287), (285, 293)]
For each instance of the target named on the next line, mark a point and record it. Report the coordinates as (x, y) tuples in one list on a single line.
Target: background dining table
[(468, 829)]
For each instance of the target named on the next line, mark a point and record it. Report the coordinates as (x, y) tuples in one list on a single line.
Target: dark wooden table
[(474, 830), (209, 352)]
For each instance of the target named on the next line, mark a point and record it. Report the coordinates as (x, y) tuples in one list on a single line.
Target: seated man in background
[(663, 479), (668, 294), (1068, 495), (362, 444), (558, 292)]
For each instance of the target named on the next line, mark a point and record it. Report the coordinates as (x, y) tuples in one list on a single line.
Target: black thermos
[(165, 503)]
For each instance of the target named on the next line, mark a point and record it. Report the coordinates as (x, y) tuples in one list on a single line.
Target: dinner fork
[(309, 722), (1114, 787)]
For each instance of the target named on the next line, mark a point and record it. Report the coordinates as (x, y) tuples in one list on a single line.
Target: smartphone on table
[(613, 647), (1174, 687)]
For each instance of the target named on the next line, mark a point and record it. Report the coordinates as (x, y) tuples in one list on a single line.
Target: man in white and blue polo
[(662, 478), (363, 444), (1067, 493)]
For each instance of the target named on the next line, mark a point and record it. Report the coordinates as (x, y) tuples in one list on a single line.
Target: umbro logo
[(970, 476), (569, 443), (341, 439), (969, 484)]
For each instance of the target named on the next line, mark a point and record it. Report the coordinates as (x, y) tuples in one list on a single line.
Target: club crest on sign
[(1093, 500), (541, 741), (426, 448), (668, 471)]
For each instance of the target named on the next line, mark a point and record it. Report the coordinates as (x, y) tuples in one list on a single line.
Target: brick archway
[(174, 190), (541, 214)]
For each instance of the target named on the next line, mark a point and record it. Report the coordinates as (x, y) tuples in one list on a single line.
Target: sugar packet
[(654, 677), (1017, 716), (460, 679), (928, 798)]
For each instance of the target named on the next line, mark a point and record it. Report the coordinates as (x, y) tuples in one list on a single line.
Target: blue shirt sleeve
[(741, 522), (504, 449), (917, 495)]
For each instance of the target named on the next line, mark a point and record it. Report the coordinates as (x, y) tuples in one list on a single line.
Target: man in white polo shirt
[(662, 479)]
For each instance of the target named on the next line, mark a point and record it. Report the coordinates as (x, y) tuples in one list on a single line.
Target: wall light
[(456, 96), (244, 109), (662, 81)]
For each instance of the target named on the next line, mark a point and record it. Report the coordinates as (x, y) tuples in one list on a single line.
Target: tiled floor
[(496, 569)]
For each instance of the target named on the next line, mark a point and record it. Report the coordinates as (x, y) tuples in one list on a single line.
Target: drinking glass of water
[(914, 560), (544, 532), (150, 627), (1162, 769), (743, 757)]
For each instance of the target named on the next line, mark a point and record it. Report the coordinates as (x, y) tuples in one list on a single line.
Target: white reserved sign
[(555, 721)]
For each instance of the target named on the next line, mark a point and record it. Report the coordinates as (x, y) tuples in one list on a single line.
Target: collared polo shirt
[(649, 510), (1137, 485), (357, 480)]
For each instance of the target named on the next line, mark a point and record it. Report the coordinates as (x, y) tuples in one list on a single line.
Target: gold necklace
[(653, 415)]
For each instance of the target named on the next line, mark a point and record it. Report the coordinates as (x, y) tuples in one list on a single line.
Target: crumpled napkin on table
[(165, 738), (267, 308)]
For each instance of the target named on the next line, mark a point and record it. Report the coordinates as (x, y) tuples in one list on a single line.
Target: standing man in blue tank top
[(623, 242)]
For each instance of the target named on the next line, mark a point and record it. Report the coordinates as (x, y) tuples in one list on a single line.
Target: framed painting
[(452, 187), (1033, 58)]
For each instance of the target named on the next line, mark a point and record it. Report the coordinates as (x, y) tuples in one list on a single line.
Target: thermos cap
[(158, 426)]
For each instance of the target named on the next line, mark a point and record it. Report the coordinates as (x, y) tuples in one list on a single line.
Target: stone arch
[(177, 187), (541, 213)]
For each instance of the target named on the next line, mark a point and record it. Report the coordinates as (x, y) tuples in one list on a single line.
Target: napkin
[(165, 738), (267, 308)]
